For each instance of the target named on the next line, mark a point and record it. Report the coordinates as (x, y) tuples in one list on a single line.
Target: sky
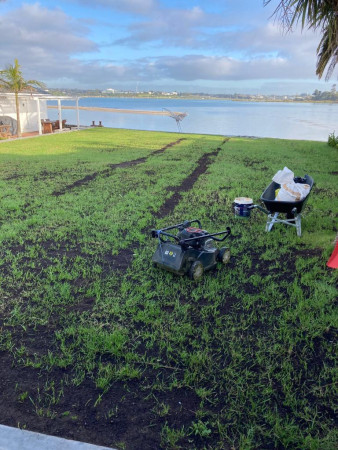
[(211, 46)]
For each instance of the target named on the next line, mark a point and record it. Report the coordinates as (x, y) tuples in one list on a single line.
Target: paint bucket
[(241, 207)]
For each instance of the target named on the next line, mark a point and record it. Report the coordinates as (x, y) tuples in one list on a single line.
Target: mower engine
[(192, 250)]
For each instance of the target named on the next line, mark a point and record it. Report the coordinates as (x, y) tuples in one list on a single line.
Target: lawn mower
[(191, 251)]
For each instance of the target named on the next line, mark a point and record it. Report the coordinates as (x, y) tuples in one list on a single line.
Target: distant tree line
[(326, 95), (317, 95)]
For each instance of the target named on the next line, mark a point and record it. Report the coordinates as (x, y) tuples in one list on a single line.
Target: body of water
[(309, 121)]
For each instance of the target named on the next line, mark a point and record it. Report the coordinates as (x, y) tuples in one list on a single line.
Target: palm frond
[(313, 14)]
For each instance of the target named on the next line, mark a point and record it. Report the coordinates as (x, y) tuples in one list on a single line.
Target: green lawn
[(98, 345)]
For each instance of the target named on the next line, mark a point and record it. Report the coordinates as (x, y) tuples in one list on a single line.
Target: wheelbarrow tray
[(273, 206)]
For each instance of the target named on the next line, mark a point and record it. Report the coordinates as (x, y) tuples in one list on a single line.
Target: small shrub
[(333, 140)]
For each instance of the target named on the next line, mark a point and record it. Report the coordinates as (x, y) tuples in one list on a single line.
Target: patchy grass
[(99, 346)]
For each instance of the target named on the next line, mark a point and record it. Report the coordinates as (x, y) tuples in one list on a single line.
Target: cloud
[(243, 54), (130, 6), (173, 27), (297, 50), (55, 48), (194, 30), (188, 68), (42, 40), (269, 38), (217, 68)]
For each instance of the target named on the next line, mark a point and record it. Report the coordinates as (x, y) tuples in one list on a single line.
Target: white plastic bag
[(284, 176), (289, 191), (293, 192)]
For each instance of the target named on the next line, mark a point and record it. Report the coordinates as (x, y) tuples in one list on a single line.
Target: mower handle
[(185, 224), (157, 233), (227, 233)]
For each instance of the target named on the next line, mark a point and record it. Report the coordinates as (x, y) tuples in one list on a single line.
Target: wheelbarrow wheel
[(224, 255), (196, 271)]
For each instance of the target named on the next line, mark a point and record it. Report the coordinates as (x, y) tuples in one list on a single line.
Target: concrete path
[(16, 439)]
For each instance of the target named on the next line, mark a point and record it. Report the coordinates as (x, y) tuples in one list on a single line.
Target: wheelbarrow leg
[(298, 219), (271, 221)]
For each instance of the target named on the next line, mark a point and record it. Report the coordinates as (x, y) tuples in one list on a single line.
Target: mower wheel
[(196, 270), (224, 255)]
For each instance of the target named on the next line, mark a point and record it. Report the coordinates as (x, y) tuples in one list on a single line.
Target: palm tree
[(11, 80), (316, 14)]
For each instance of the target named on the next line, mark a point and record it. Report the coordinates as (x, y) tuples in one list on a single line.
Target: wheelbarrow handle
[(260, 208)]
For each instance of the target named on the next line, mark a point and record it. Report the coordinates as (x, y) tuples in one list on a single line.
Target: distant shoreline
[(116, 110), (225, 99)]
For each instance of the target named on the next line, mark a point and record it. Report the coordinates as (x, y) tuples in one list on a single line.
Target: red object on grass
[(333, 261)]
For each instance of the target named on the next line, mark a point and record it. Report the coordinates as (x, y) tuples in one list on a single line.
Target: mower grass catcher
[(191, 250)]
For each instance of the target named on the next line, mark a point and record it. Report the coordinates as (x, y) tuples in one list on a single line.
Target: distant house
[(33, 110)]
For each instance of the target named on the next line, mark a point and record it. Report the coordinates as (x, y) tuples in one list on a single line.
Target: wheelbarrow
[(273, 208)]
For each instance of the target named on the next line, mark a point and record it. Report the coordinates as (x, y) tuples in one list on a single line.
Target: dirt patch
[(118, 262), (253, 164), (14, 177), (186, 185), (107, 172), (126, 413)]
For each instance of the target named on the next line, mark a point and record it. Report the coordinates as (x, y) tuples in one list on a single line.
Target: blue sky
[(221, 46)]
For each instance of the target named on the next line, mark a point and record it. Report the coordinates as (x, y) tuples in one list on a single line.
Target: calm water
[(278, 120)]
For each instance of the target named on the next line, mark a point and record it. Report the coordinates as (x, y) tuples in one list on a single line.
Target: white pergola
[(59, 100), (43, 97)]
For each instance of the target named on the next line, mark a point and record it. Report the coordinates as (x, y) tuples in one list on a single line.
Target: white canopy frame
[(45, 97)]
